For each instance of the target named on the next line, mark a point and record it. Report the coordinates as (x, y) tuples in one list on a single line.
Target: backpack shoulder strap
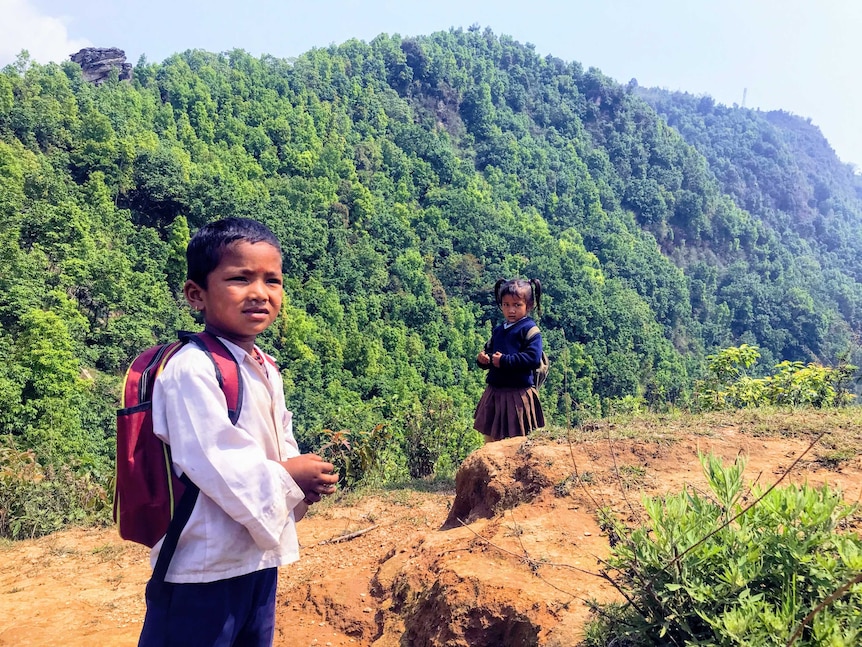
[(226, 369), (532, 332), (182, 514)]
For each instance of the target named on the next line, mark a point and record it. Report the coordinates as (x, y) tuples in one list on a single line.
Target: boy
[(254, 485)]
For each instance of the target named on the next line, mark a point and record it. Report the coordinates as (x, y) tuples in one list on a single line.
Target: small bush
[(356, 454), (752, 582), (37, 500), (436, 439), (793, 384)]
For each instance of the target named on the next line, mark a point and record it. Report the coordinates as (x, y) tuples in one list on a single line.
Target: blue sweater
[(521, 356)]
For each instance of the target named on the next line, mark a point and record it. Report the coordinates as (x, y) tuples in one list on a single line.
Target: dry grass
[(842, 440)]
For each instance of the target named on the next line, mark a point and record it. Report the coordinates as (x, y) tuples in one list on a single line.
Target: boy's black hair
[(529, 290), (207, 246)]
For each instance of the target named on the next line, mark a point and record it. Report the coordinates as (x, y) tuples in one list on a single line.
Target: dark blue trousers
[(238, 612)]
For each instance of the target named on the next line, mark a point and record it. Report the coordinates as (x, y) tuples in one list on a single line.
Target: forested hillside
[(779, 168), (403, 177)]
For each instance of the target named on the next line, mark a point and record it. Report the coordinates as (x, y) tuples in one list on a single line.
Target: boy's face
[(514, 307), (243, 293)]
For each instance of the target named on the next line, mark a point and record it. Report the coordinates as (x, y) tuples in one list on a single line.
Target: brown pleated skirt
[(504, 413)]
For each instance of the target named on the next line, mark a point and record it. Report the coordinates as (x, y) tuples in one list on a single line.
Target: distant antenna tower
[(744, 92)]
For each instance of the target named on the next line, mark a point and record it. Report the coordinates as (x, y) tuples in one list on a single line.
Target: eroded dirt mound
[(502, 476), (510, 558)]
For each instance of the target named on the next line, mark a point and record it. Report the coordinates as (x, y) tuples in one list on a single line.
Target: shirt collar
[(240, 353), (507, 325)]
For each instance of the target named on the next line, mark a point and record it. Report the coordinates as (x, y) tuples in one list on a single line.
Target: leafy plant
[(36, 500), (792, 384), (434, 433), (355, 454), (752, 580), (798, 384)]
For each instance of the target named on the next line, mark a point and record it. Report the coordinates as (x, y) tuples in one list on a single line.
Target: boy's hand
[(483, 359), (313, 475), (495, 359)]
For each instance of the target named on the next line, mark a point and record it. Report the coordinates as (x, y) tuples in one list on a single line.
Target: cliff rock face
[(97, 63)]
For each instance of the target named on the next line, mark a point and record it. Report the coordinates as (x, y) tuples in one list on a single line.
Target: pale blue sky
[(802, 56)]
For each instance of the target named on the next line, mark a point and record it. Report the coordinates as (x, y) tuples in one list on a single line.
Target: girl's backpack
[(150, 501), (541, 373)]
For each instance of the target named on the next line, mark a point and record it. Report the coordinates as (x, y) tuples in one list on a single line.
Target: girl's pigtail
[(536, 287), (499, 284)]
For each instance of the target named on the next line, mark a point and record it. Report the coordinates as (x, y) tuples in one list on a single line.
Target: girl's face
[(514, 307)]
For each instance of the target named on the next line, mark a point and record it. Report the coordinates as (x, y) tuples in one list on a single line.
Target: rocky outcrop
[(97, 63)]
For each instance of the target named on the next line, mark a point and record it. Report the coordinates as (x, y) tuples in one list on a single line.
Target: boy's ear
[(194, 295)]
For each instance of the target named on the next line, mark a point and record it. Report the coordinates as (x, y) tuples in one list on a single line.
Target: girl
[(510, 404)]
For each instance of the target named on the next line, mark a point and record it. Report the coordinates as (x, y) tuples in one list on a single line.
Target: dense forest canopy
[(403, 177)]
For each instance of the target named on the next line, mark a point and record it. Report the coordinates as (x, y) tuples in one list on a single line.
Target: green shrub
[(794, 384), (436, 437), (750, 582), (356, 454), (37, 500)]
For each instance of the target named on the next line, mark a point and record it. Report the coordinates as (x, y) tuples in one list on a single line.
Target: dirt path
[(84, 587)]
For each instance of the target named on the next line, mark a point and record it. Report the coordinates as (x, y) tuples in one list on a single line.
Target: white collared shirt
[(243, 519), (507, 325)]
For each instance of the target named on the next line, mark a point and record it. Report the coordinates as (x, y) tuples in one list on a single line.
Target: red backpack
[(150, 501)]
